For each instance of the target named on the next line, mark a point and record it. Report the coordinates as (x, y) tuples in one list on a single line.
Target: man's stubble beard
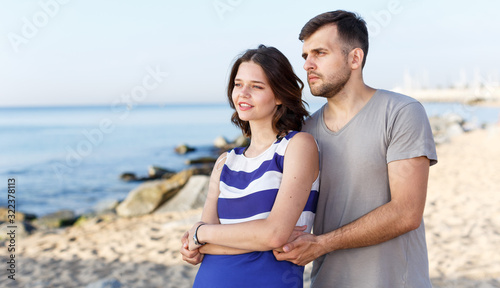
[(331, 86)]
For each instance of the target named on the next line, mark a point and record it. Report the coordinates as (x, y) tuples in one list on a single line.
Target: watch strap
[(195, 236)]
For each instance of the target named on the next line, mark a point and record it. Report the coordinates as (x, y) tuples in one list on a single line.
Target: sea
[(72, 157)]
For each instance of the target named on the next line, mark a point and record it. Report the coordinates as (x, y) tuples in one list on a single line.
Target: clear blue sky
[(71, 52)]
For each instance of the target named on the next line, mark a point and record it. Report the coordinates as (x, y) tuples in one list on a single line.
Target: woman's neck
[(260, 140)]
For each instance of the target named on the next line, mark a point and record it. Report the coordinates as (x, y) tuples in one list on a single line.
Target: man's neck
[(345, 105)]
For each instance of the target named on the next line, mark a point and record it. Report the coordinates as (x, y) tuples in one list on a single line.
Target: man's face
[(326, 64)]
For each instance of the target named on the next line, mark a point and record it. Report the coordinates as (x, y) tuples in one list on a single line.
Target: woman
[(259, 194)]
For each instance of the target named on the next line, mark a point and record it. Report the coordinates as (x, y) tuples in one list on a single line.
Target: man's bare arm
[(408, 184)]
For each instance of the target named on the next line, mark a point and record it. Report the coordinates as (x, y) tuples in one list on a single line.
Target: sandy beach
[(462, 219)]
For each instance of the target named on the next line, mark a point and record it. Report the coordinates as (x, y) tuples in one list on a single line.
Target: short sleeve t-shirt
[(354, 181)]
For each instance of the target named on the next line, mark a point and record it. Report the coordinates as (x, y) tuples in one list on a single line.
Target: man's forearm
[(380, 225)]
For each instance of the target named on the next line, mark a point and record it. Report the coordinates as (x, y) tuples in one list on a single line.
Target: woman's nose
[(244, 91)]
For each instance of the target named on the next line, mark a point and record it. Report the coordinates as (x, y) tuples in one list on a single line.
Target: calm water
[(71, 157)]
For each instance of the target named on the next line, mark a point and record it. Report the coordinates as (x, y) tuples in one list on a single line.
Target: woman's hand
[(192, 246), (192, 257)]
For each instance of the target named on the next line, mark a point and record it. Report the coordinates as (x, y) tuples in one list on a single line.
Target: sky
[(71, 52)]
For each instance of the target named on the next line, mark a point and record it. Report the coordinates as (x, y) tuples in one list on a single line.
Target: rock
[(105, 283), (128, 176), (454, 129), (191, 196), (56, 220), (105, 206), (4, 215), (453, 118), (155, 172), (183, 149), (205, 169), (89, 220), (201, 160), (470, 126), (150, 195), (438, 124), (446, 127), (22, 229), (220, 142), (241, 141)]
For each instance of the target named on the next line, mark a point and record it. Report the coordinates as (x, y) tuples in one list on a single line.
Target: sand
[(462, 214), (462, 219)]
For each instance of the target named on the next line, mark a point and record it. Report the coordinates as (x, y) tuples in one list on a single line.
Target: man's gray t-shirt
[(354, 181)]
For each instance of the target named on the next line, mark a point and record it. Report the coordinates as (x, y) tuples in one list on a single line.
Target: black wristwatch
[(195, 236)]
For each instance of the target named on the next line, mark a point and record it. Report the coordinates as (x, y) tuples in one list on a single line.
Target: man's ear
[(356, 58)]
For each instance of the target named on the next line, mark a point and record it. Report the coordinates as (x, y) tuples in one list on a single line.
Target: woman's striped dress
[(248, 188)]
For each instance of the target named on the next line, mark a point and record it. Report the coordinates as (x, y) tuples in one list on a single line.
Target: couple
[(373, 149)]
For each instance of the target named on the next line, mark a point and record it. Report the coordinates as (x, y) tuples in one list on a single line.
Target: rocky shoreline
[(155, 193)]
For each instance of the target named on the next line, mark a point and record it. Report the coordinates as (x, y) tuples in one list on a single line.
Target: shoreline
[(49, 198)]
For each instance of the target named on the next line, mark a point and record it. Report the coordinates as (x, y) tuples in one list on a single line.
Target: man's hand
[(192, 257), (297, 231), (301, 251)]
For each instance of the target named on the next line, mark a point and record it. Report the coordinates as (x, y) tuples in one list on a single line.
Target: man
[(376, 148)]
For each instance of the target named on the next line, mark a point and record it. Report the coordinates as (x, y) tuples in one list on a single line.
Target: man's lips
[(312, 77)]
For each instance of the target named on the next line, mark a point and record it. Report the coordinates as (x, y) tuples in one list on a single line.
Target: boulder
[(241, 141), (151, 194), (6, 228), (191, 196), (201, 160), (454, 129), (4, 215), (128, 176), (220, 142), (56, 220), (90, 220), (105, 206), (22, 229), (155, 172), (183, 149), (453, 118), (446, 127)]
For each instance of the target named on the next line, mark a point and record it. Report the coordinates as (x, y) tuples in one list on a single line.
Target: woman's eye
[(258, 87), (237, 85)]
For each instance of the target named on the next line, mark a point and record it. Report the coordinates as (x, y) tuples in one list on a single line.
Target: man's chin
[(317, 93)]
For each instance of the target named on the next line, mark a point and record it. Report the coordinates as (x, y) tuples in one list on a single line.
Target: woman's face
[(252, 95)]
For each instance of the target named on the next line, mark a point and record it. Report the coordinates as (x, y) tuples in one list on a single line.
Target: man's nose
[(309, 64)]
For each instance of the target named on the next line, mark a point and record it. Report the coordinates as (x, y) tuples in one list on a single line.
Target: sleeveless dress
[(248, 189)]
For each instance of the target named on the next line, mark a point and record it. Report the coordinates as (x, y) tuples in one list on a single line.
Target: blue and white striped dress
[(248, 189)]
